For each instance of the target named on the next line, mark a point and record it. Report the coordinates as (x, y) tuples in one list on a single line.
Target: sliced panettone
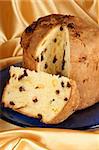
[(66, 45), (51, 98)]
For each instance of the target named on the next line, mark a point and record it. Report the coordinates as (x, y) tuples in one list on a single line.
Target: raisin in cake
[(66, 45), (51, 98)]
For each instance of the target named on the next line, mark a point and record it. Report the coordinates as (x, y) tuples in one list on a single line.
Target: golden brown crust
[(84, 61), (34, 34), (37, 30)]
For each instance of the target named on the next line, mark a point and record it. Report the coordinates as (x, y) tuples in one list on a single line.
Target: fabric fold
[(49, 139)]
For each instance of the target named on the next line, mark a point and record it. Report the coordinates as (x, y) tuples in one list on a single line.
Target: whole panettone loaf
[(51, 98), (66, 45)]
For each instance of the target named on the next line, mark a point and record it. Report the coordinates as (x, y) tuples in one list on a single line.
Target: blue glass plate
[(83, 119)]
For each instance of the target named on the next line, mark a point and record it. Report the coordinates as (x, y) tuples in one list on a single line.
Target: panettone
[(51, 98), (66, 45)]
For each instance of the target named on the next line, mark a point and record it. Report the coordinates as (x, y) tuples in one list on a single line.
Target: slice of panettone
[(51, 98)]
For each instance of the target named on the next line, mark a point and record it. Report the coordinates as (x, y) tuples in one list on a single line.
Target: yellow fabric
[(48, 139), (15, 16)]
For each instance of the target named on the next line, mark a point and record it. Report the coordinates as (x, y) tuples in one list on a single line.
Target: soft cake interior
[(53, 53), (29, 92)]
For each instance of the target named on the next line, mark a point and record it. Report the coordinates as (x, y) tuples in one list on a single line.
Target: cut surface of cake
[(51, 98), (50, 53)]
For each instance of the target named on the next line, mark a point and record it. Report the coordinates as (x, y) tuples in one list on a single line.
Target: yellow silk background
[(15, 16)]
